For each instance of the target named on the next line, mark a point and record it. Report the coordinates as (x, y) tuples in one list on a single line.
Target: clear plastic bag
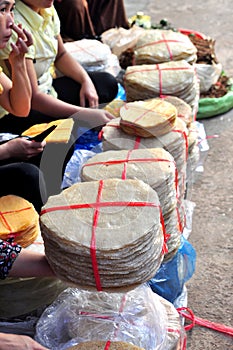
[(77, 316), (208, 74)]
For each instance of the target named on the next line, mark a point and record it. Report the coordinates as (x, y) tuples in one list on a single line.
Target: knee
[(108, 88), (28, 171)]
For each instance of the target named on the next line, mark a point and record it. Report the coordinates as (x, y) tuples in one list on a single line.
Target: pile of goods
[(155, 166), (110, 234), (18, 220), (216, 88), (175, 142), (162, 43), (148, 118), (116, 236), (176, 78), (159, 46)]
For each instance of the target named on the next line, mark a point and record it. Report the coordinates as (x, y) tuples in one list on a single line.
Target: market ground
[(210, 290)]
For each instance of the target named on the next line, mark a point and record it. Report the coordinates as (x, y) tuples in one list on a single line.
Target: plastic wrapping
[(173, 274), (137, 317), (189, 207), (73, 168), (175, 331), (208, 74), (87, 138), (87, 145), (121, 39), (203, 150)]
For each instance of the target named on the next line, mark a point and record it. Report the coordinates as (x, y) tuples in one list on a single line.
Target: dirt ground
[(210, 289)]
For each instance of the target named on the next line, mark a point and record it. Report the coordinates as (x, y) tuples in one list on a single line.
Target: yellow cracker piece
[(59, 135), (18, 220), (114, 107)]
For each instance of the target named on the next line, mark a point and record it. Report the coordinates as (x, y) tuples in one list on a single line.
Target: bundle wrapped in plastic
[(121, 39), (137, 317), (176, 336)]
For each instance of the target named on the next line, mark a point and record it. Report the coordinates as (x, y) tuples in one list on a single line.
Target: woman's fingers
[(28, 35), (23, 34), (18, 29)]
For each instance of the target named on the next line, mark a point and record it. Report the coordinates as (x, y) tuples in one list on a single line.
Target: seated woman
[(55, 98), (90, 18), (18, 177), (63, 96)]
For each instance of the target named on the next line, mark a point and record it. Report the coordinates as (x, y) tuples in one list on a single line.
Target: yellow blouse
[(1, 87)]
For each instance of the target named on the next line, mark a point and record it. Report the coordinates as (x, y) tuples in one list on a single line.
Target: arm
[(18, 342), (47, 104), (31, 264), (58, 109), (66, 64), (16, 96), (19, 262)]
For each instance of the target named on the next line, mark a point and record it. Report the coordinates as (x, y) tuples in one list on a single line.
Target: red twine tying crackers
[(157, 67), (124, 177), (7, 225), (188, 313), (165, 41)]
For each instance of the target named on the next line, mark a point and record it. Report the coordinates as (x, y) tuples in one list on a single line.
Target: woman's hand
[(88, 93), (21, 46), (18, 342), (69, 67), (93, 117), (21, 148)]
